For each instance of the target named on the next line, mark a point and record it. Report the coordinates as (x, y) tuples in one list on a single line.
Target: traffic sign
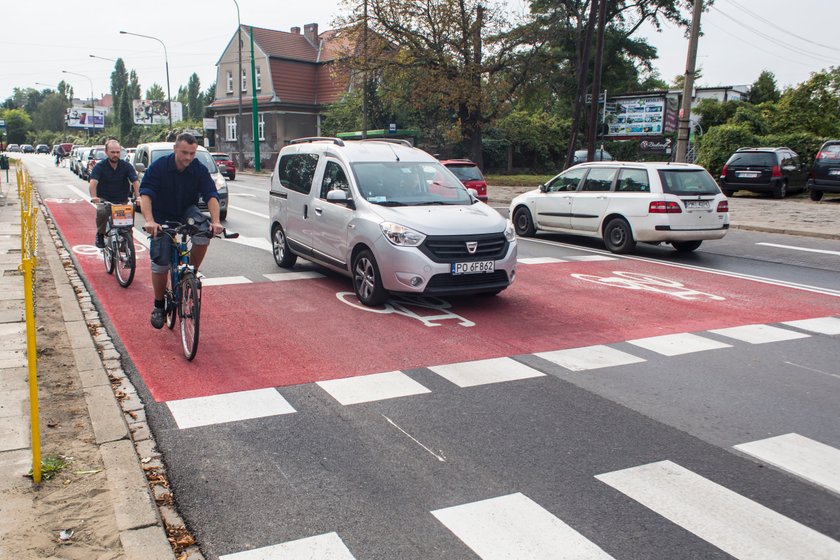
[(2, 123)]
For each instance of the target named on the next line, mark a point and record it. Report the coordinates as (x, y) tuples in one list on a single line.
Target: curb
[(150, 527)]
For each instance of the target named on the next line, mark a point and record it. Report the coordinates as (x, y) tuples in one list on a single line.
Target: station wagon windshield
[(408, 184)]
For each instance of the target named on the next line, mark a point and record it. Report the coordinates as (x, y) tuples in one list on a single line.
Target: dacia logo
[(472, 246)]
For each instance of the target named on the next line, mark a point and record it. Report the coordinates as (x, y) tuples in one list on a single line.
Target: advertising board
[(80, 117), (636, 116), (151, 111)]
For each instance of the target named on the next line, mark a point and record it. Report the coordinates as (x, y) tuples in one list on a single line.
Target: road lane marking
[(328, 545), (515, 526), (281, 276), (229, 407), (735, 524), (483, 372), (589, 357), (255, 242), (814, 461), (821, 325), (795, 248), (240, 209), (678, 344), (373, 387), (759, 334), (440, 457), (225, 281), (540, 260)]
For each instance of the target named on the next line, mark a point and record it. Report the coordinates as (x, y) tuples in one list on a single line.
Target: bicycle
[(183, 290), (119, 243)]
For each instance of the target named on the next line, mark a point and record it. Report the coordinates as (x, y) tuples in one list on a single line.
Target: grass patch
[(51, 465), (517, 180)]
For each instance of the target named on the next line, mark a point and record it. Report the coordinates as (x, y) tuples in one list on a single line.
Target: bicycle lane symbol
[(645, 282), (400, 305), (94, 251)]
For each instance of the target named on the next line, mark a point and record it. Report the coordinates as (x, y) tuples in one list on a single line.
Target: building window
[(261, 125), (230, 82), (230, 122), (244, 80), (258, 79)]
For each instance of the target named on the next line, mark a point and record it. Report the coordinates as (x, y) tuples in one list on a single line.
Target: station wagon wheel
[(781, 190), (686, 246), (522, 222), (366, 280), (618, 237), (815, 195), (280, 247)]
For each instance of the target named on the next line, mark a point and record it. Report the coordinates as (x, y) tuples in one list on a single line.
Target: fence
[(28, 258)]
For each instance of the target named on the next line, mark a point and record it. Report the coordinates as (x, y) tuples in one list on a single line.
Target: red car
[(469, 174), (226, 165)]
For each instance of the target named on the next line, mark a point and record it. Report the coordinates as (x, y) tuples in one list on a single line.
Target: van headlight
[(401, 235), (221, 184), (510, 233)]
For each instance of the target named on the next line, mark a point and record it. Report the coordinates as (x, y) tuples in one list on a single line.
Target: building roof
[(297, 46)]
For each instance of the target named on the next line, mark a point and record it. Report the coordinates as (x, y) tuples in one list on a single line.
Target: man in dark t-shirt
[(112, 180)]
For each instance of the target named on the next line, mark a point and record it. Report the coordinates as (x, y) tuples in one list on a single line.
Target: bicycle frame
[(179, 262)]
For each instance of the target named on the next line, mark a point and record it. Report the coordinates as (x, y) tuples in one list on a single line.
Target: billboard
[(150, 111), (636, 116), (80, 117)]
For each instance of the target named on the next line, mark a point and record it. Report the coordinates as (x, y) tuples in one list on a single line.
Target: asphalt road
[(594, 415)]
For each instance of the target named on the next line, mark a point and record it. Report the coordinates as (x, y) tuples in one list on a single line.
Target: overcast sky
[(39, 40)]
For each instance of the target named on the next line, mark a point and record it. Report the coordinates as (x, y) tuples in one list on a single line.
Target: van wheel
[(283, 256), (815, 195), (686, 246), (366, 280), (522, 222), (618, 237), (781, 190), (223, 215)]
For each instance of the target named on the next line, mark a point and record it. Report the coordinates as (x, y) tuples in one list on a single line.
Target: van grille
[(446, 248), (466, 283)]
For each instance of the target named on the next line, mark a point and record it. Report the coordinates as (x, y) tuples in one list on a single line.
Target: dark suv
[(763, 170), (825, 175)]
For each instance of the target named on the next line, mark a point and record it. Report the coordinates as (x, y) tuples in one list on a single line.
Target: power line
[(780, 28)]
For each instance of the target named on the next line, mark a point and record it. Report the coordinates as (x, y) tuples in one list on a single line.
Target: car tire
[(523, 223), (686, 246), (728, 194), (816, 196), (283, 256), (367, 283), (223, 215), (780, 191), (232, 176), (618, 237)]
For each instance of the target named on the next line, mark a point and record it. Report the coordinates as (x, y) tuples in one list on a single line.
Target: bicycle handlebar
[(174, 228)]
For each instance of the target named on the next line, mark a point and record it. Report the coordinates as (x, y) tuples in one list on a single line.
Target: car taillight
[(723, 173), (776, 172), (723, 206), (664, 207)]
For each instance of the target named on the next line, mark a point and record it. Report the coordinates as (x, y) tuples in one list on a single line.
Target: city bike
[(183, 291), (118, 252)]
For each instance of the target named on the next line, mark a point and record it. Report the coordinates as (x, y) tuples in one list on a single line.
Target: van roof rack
[(402, 141), (336, 141)]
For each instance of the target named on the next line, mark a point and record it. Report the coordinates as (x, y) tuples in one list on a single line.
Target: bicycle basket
[(122, 215)]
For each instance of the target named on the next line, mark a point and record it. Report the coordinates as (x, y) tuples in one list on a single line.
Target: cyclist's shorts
[(160, 248)]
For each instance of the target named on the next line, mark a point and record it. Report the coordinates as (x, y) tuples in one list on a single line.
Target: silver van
[(388, 215)]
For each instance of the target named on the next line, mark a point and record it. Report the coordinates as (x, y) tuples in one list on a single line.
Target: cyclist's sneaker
[(157, 318), (100, 241)]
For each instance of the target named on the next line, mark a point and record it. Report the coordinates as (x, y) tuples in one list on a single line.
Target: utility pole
[(583, 71), (596, 81), (365, 71), (241, 159), (688, 87)]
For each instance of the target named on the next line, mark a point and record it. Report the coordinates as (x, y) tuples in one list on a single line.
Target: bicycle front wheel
[(190, 313), (125, 259), (108, 255)]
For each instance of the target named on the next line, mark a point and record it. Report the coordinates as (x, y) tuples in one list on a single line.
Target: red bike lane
[(272, 334)]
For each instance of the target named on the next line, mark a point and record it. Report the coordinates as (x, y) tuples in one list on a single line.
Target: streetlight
[(239, 87), (166, 57), (92, 107), (102, 57)]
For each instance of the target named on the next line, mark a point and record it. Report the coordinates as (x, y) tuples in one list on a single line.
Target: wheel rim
[(617, 236), (108, 256), (365, 278), (279, 245), (190, 314), (125, 260)]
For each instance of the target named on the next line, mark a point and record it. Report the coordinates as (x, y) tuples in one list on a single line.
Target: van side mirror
[(140, 167), (339, 196)]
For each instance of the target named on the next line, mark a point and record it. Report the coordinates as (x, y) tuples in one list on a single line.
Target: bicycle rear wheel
[(190, 313), (125, 259), (108, 255)]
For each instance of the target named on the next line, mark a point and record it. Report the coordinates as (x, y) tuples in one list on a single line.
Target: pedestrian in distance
[(169, 193), (112, 180)]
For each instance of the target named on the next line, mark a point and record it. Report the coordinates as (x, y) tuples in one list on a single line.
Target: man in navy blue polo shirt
[(113, 180), (169, 192)]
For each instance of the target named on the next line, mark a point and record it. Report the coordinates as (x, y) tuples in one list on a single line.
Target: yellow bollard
[(32, 360)]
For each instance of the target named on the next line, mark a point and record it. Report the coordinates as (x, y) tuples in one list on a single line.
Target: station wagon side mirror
[(543, 187)]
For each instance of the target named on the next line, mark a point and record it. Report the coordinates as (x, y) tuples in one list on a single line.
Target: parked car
[(581, 156), (42, 149), (129, 154), (624, 203), (13, 148), (27, 149), (146, 154), (226, 165), (90, 157), (76, 159), (469, 174), (825, 175), (389, 216), (763, 170)]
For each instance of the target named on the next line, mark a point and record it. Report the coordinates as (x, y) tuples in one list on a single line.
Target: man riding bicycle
[(169, 193), (111, 180)]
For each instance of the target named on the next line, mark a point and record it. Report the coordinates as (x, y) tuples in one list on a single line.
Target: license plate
[(834, 171), (704, 204), (477, 267), (747, 174)]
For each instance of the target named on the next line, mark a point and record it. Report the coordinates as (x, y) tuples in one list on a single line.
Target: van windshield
[(687, 182), (409, 184)]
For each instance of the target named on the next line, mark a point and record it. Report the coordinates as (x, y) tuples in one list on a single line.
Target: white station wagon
[(627, 202)]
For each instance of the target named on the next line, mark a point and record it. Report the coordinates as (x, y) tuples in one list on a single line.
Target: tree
[(133, 87), (156, 93), (50, 113), (764, 89), (195, 104), (119, 80), (812, 106), (18, 123), (126, 119)]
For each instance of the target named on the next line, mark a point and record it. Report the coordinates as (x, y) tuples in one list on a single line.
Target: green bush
[(719, 142)]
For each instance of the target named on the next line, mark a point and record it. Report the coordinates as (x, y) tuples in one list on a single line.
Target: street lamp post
[(166, 57), (239, 87), (92, 106), (102, 58)]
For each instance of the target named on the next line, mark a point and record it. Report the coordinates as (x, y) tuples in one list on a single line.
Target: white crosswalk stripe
[(677, 344), (735, 524), (759, 334), (515, 526), (373, 387), (482, 372), (814, 461), (228, 407), (224, 281), (821, 325), (321, 547), (589, 357)]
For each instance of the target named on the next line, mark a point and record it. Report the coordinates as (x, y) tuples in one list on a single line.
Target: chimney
[(296, 30), (310, 31)]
